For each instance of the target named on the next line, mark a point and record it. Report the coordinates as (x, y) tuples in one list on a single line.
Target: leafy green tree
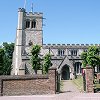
[(1, 61), (84, 59), (91, 57), (8, 50), (35, 59), (7, 65), (6, 54), (47, 63)]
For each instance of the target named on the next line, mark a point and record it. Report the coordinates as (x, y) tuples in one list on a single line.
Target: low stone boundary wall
[(28, 85)]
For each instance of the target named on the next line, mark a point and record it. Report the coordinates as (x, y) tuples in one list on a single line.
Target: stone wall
[(28, 85)]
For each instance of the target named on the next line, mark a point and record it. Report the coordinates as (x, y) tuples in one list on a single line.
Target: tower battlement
[(37, 14), (32, 14), (21, 10)]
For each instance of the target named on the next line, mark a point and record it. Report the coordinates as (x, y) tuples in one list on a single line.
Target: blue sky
[(67, 21)]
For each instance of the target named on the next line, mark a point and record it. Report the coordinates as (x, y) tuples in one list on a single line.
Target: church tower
[(29, 32)]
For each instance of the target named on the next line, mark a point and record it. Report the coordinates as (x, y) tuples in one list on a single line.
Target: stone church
[(65, 57)]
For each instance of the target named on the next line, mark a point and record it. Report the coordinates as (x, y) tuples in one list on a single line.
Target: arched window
[(61, 52), (33, 24), (77, 67), (27, 24), (74, 52)]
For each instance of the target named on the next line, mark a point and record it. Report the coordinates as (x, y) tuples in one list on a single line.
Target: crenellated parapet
[(32, 14), (35, 14), (69, 45)]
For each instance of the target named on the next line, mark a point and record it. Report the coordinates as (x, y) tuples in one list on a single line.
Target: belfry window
[(33, 24), (27, 24), (61, 52)]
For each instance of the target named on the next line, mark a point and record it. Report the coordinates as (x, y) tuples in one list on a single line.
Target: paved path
[(69, 86), (69, 90)]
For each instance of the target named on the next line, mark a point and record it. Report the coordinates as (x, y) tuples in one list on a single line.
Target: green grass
[(97, 85), (97, 88), (79, 82), (61, 85)]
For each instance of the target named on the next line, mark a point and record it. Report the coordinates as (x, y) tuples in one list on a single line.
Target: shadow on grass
[(97, 90)]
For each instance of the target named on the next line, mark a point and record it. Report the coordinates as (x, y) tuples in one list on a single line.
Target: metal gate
[(96, 83), (57, 82), (84, 80)]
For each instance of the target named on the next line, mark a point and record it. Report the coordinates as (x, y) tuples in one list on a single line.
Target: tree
[(8, 50), (6, 54), (35, 59), (84, 59), (47, 63), (1, 61), (91, 57)]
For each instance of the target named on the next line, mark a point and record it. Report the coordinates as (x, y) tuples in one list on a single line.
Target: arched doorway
[(65, 73)]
